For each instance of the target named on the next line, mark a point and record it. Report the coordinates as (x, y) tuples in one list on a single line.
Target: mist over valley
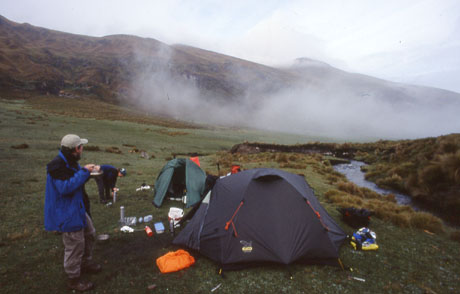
[(307, 97)]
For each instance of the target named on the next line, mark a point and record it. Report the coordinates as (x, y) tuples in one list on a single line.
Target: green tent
[(176, 177)]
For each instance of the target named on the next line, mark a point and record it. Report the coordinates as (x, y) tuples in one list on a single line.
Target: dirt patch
[(115, 150), (20, 146), (92, 148)]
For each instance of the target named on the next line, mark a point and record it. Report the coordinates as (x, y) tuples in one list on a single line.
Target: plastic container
[(175, 214), (130, 221), (159, 227), (148, 218)]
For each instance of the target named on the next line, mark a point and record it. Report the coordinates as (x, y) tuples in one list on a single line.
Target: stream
[(353, 173)]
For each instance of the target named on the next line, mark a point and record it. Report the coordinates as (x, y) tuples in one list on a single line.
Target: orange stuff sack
[(235, 169), (175, 261)]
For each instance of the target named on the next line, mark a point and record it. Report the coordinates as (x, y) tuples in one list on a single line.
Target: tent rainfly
[(262, 215)]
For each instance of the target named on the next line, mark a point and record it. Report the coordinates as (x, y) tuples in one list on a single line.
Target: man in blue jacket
[(66, 212), (107, 181)]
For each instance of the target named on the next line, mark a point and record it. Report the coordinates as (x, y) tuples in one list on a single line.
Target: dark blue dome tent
[(262, 215)]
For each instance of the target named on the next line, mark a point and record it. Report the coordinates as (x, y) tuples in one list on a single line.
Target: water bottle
[(148, 231), (148, 218), (171, 227), (122, 215)]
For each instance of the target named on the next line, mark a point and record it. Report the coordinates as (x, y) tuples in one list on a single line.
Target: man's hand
[(90, 167)]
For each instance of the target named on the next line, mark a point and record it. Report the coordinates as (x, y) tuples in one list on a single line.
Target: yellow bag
[(175, 261)]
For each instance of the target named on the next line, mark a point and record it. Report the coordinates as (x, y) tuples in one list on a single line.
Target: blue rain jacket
[(64, 206), (109, 175)]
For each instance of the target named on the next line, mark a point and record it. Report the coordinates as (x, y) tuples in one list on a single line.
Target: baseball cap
[(123, 171), (72, 141)]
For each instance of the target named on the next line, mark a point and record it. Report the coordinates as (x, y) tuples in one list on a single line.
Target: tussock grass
[(31, 259), (353, 189), (384, 207), (427, 169), (455, 236), (426, 221)]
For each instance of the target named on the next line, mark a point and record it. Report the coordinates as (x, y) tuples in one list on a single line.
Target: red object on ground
[(148, 231)]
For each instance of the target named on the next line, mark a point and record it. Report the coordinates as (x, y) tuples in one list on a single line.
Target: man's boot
[(92, 268), (79, 285)]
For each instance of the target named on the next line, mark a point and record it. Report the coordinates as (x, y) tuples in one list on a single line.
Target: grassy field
[(408, 261)]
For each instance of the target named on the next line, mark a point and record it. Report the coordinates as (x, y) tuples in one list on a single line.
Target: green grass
[(408, 261)]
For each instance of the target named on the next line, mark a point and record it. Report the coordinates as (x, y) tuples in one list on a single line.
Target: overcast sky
[(410, 41)]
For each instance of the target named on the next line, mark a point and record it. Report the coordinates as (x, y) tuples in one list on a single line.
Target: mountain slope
[(193, 84), (33, 58)]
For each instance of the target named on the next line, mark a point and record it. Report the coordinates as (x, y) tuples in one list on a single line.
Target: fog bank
[(323, 102)]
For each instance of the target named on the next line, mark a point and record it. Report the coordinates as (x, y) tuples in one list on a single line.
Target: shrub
[(350, 188), (332, 179), (426, 221), (400, 219), (293, 157), (393, 181), (369, 194), (455, 236), (391, 197), (450, 164), (282, 158), (448, 147), (431, 176)]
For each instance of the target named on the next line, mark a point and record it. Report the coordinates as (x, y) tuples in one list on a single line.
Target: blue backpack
[(364, 239)]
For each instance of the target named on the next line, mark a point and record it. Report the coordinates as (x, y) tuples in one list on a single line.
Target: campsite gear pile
[(364, 239), (354, 217), (261, 215), (175, 261)]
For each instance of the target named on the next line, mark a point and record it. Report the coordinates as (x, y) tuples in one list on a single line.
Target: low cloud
[(337, 105)]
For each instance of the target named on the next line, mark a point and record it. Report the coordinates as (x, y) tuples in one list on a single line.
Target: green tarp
[(180, 171)]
